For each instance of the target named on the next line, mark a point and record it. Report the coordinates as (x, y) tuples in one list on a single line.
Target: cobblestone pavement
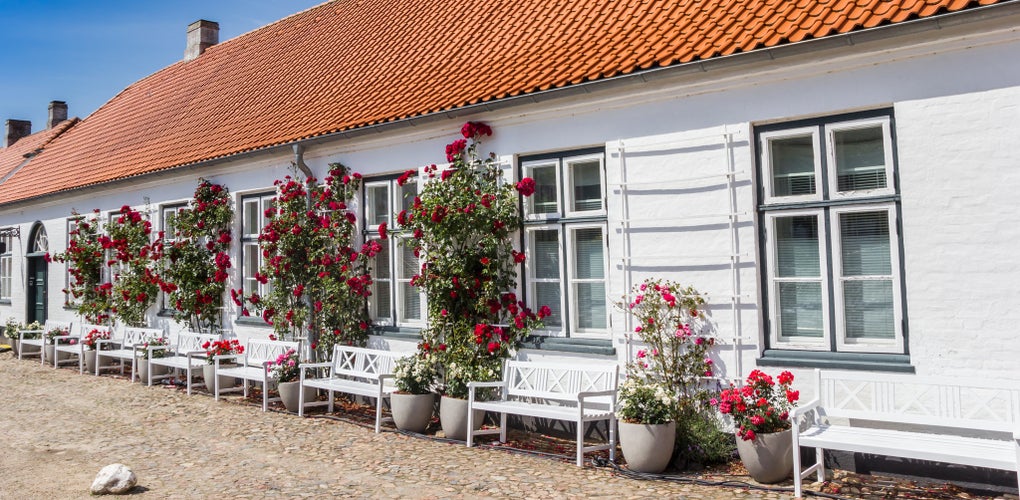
[(62, 427)]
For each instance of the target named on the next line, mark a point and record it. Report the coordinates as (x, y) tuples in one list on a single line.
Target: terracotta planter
[(453, 417), (289, 394), (769, 457), (647, 447), (413, 412), (209, 371)]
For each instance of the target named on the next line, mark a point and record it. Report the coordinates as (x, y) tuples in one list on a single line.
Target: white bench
[(38, 338), (915, 404), (71, 344), (130, 342), (355, 370), (252, 366), (186, 354), (575, 394)]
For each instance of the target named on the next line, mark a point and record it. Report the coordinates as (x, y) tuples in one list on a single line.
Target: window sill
[(398, 332), (577, 346), (252, 321), (165, 313), (5, 302), (837, 360)]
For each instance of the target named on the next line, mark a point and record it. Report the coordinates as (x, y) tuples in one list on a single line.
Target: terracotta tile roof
[(14, 155), (351, 63)]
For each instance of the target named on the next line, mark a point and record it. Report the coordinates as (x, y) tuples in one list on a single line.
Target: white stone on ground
[(114, 479)]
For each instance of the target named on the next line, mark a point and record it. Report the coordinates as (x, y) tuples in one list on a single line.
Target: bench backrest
[(191, 341), (86, 328), (559, 382), (64, 325), (132, 336), (914, 399), (257, 352), (351, 361)]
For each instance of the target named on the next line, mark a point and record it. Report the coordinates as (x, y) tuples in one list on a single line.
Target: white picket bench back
[(190, 341), (555, 381), (65, 325), (910, 399), (132, 336), (359, 362)]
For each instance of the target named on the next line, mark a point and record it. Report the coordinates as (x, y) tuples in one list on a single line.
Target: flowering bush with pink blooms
[(760, 406), (674, 356), (463, 228), (286, 367)]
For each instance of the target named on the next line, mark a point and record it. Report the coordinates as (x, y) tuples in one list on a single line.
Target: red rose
[(526, 186)]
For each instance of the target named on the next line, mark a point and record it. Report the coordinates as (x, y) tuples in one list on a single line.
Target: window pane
[(407, 193), (545, 254), (860, 158), (548, 294), (381, 300), (591, 305), (411, 302), (381, 266), (587, 186), (864, 243), (378, 204), (588, 255), (409, 265), (797, 246), (544, 199), (800, 309), (868, 309), (793, 166), (251, 217)]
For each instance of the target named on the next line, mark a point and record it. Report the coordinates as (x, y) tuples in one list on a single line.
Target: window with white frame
[(254, 217), (394, 301), (829, 212), (166, 214), (69, 299), (6, 261), (565, 242)]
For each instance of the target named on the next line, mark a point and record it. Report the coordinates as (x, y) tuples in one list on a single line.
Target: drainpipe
[(313, 332)]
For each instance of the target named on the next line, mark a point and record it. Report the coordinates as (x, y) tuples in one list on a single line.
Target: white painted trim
[(833, 174), (767, 170), (528, 168), (777, 340)]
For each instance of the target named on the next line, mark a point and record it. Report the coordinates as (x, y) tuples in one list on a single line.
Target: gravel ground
[(62, 427)]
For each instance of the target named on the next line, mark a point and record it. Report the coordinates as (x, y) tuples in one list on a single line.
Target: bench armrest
[(68, 338), (803, 409), (21, 333), (226, 357), (324, 364), (588, 394), (472, 385), (1016, 435)]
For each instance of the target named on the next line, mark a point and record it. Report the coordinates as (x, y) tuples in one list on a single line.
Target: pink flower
[(641, 353)]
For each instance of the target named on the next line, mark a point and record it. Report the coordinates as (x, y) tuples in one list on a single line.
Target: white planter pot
[(90, 361), (15, 344), (412, 412), (769, 457), (647, 447), (208, 372), (289, 394), (453, 417)]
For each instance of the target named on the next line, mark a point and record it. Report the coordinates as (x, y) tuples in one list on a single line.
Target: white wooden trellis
[(732, 216)]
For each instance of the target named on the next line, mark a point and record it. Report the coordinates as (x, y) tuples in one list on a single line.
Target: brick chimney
[(16, 129), (58, 113), (202, 34)]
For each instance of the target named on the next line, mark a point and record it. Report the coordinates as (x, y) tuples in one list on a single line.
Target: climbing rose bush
[(196, 259), (133, 264), (462, 227), (86, 292), (319, 277)]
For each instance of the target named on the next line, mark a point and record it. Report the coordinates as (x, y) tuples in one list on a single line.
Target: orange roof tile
[(16, 154), (347, 64)]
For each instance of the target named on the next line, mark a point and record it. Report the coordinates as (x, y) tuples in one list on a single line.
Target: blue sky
[(85, 52)]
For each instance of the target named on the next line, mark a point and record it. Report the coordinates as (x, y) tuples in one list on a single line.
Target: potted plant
[(647, 428), (761, 415), (11, 329), (412, 403), (669, 369), (213, 349), (286, 370), (160, 343), (50, 343), (90, 343)]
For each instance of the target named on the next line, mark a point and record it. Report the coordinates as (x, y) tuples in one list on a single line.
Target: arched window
[(39, 243)]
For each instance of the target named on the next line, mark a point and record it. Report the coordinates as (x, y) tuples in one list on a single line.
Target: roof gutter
[(933, 23)]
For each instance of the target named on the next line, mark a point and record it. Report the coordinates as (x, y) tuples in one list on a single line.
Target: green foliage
[(195, 261), (643, 402), (415, 374), (134, 266)]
